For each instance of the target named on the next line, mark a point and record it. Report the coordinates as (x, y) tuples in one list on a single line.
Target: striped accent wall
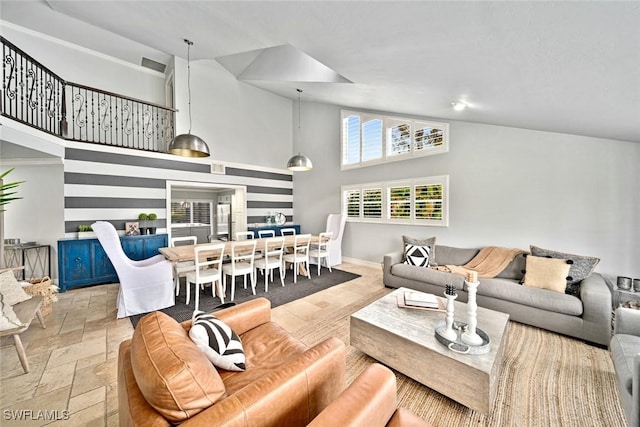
[(116, 187)]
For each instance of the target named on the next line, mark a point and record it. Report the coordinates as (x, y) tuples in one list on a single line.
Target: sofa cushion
[(623, 349), (582, 266), (217, 341), (510, 290), (448, 255), (428, 275), (430, 242), (546, 273), (174, 376), (515, 269), (417, 255)]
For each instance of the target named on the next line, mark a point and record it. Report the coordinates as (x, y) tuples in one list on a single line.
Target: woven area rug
[(277, 294), (547, 380)]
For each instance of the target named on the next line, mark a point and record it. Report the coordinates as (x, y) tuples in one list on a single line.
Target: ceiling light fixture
[(186, 144), (299, 163), (459, 106)]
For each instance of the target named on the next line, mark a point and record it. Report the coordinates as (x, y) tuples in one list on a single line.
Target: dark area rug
[(277, 294)]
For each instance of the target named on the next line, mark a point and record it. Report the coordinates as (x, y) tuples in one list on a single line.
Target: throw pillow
[(582, 266), (217, 341), (8, 318), (11, 290), (431, 242), (417, 255), (546, 273)]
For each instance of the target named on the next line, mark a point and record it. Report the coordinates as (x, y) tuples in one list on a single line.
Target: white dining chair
[(272, 252), (145, 285), (320, 250), (300, 254), (242, 259), (263, 234), (287, 231), (207, 269), (244, 235), (181, 268)]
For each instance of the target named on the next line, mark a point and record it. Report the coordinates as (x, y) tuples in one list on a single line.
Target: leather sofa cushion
[(266, 348), (174, 376)]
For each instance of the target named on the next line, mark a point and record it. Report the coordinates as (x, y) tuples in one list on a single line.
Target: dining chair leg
[(253, 283), (219, 290), (266, 280), (189, 290), (281, 276), (295, 272), (233, 287), (326, 261), (308, 269), (319, 262), (197, 298)]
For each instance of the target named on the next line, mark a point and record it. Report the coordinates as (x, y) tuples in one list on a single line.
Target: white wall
[(508, 187)]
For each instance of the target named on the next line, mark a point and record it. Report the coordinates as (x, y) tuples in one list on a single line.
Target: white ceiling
[(570, 67)]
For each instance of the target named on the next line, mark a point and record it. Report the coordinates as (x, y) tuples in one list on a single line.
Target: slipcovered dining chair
[(272, 252), (145, 285), (335, 225), (300, 254), (241, 264), (321, 250), (181, 268), (208, 269)]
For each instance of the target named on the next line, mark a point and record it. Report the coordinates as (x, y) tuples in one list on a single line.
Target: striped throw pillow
[(217, 341)]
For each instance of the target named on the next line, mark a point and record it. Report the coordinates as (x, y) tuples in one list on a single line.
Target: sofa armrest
[(634, 419), (369, 400), (388, 261), (596, 309), (627, 321), (291, 395), (243, 317)]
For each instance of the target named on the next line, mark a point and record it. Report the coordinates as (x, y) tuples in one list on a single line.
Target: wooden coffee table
[(403, 339)]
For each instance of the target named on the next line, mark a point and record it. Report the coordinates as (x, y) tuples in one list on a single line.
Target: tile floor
[(73, 378)]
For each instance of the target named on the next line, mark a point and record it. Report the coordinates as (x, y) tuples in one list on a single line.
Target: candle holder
[(448, 332), (470, 336)]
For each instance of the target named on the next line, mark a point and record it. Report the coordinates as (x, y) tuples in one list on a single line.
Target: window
[(192, 212), (417, 201), (369, 139)]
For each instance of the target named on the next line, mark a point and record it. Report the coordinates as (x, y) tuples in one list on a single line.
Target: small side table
[(622, 296)]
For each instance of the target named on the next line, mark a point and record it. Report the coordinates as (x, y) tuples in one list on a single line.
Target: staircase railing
[(34, 95)]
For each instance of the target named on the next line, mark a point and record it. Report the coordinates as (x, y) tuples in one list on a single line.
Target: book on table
[(420, 299)]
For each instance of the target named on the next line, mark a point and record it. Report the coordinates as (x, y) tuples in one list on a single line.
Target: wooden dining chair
[(272, 252), (266, 233), (300, 254), (320, 250), (287, 231), (242, 259), (245, 235), (208, 269), (181, 268)]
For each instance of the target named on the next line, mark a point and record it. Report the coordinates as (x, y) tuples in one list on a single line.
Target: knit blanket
[(489, 262)]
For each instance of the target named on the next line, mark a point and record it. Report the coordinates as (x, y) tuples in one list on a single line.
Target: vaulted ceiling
[(570, 67)]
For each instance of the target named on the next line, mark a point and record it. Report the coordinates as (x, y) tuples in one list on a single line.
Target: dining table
[(186, 252)]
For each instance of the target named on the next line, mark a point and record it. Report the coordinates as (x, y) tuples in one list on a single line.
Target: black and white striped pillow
[(217, 341), (417, 255)]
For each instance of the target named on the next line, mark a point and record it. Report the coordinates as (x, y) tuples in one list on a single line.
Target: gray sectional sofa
[(586, 316)]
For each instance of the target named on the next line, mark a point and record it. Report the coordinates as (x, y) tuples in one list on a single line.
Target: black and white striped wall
[(112, 184)]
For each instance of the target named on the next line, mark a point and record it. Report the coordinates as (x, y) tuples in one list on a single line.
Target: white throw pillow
[(11, 290), (8, 318), (217, 341)]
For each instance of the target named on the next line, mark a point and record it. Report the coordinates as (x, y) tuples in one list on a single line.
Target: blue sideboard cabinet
[(276, 228), (83, 262)]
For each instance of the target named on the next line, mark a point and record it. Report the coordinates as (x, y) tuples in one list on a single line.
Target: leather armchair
[(625, 352), (369, 401), (285, 383)]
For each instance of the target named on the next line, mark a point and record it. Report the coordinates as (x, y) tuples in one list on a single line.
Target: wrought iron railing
[(35, 96)]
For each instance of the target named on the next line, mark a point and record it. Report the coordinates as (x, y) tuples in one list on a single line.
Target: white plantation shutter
[(195, 212), (372, 140), (399, 201), (351, 140), (351, 203), (201, 212), (427, 136), (398, 137), (372, 203), (428, 201)]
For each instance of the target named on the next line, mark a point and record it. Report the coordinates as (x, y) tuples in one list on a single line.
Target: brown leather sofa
[(164, 379), (369, 401)]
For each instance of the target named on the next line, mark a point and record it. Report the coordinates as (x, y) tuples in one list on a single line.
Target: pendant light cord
[(189, 43), (299, 117)]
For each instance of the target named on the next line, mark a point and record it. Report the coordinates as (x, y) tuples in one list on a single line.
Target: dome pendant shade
[(189, 145), (299, 163)]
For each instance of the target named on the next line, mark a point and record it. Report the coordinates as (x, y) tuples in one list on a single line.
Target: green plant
[(84, 227), (153, 217), (143, 217), (5, 197)]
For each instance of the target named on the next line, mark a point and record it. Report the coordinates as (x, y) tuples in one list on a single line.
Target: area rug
[(547, 380), (277, 294)]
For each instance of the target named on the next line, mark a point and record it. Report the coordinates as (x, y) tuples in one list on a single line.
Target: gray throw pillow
[(431, 242), (581, 268)]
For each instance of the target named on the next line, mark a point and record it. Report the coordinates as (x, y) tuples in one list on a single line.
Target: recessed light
[(459, 106)]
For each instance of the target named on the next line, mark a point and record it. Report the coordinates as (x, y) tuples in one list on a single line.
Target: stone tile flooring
[(73, 378)]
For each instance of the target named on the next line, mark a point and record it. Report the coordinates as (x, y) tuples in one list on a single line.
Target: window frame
[(386, 187), (388, 123)]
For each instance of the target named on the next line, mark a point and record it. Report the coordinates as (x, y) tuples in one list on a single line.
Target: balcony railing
[(34, 95)]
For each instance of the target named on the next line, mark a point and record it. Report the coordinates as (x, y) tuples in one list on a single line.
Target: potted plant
[(152, 223), (85, 231), (6, 196), (143, 217)]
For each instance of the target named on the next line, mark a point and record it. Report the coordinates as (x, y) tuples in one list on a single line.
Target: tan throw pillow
[(174, 376), (11, 290), (546, 273)]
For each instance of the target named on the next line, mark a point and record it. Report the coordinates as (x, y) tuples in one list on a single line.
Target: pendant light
[(299, 163), (186, 144)]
